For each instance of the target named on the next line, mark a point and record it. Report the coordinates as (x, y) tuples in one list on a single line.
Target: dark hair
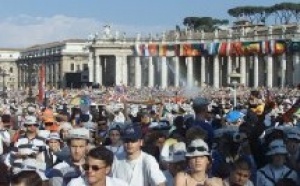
[(102, 153), (28, 178), (241, 164), (5, 118)]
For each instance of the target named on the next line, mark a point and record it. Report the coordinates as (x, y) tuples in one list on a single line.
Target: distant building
[(65, 64), (8, 68)]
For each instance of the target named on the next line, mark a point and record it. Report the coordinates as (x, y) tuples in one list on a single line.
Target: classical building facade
[(8, 68), (65, 63), (250, 55)]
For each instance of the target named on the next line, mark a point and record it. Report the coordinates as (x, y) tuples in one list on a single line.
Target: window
[(11, 69), (78, 67), (72, 66), (72, 58), (85, 67), (85, 77)]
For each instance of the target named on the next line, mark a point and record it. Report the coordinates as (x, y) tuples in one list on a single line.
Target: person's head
[(173, 156), (115, 135), (78, 142), (102, 124), (195, 133), (277, 153), (293, 140), (132, 138), (31, 124), (26, 178), (64, 129), (6, 118), (198, 156), (54, 142), (200, 105), (241, 172), (98, 164), (145, 117)]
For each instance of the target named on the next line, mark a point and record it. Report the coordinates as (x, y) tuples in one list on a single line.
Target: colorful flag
[(222, 50), (236, 49), (171, 50), (293, 46), (153, 49), (162, 49), (277, 47), (250, 48)]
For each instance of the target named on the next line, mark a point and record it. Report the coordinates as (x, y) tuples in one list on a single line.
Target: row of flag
[(275, 47)]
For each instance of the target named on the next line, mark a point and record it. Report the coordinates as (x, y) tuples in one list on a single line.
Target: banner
[(153, 49), (42, 73), (250, 48)]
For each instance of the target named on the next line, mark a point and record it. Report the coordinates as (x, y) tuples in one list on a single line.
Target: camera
[(239, 137)]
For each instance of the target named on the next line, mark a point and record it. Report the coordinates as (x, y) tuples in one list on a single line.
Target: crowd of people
[(119, 136)]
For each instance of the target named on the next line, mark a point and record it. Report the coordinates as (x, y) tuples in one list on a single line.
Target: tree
[(207, 24)]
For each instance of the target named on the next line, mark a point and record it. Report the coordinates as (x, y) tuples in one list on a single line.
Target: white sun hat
[(197, 148)]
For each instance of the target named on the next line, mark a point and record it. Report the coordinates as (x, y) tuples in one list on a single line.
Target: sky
[(24, 23)]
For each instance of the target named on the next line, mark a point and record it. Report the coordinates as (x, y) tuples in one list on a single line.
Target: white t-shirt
[(143, 171), (116, 150), (109, 182)]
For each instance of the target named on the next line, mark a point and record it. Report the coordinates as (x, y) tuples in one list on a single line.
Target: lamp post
[(234, 84)]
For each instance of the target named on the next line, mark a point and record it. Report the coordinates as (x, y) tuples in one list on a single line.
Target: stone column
[(190, 74), (229, 69), (296, 72), (270, 71), (119, 71), (124, 70), (176, 71), (164, 72), (151, 72), (98, 70), (203, 70), (255, 67), (283, 70), (91, 67), (243, 70), (137, 72), (216, 79)]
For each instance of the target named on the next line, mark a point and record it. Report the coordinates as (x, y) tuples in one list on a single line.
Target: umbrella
[(80, 100)]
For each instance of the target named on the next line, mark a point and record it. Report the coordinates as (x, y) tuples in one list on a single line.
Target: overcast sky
[(27, 22)]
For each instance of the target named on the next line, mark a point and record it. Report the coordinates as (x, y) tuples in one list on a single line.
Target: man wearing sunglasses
[(98, 165), (134, 166), (62, 173), (30, 139)]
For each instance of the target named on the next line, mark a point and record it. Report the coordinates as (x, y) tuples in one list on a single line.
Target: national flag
[(236, 49), (153, 49), (277, 47), (146, 50), (222, 49), (196, 49), (293, 46), (250, 48), (171, 50), (162, 50)]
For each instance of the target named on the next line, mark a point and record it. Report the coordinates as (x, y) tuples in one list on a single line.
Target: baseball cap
[(200, 102), (234, 116), (132, 132), (79, 133), (30, 120)]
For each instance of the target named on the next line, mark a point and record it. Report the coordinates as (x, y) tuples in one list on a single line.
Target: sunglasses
[(193, 149), (126, 140), (87, 167), (26, 125), (48, 124)]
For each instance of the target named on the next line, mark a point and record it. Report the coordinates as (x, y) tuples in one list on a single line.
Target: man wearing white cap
[(71, 168), (54, 145), (276, 170)]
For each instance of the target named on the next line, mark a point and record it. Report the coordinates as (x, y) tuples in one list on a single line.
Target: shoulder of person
[(214, 181), (110, 181), (77, 181)]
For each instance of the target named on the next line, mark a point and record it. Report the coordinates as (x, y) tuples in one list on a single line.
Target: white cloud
[(24, 30)]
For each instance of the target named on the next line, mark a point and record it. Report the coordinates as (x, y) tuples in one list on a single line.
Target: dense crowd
[(121, 135)]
